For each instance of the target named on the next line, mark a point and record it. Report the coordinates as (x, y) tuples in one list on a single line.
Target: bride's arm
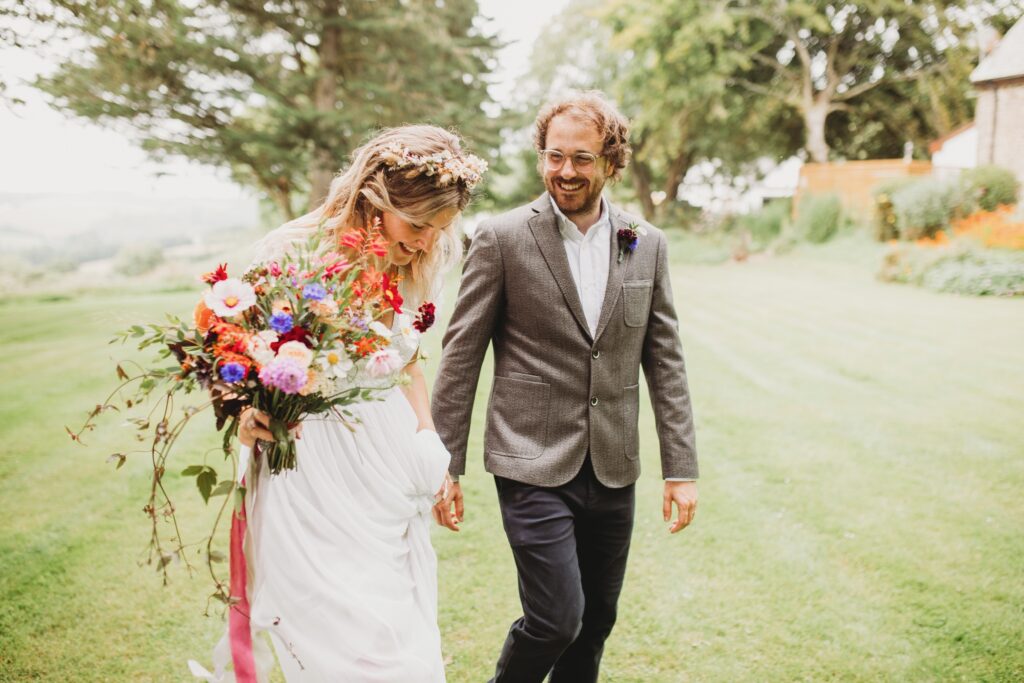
[(416, 392)]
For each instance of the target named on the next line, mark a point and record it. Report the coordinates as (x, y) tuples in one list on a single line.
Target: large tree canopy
[(880, 62), (281, 91), (734, 80)]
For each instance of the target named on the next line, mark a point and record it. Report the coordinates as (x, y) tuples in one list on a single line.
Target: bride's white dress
[(342, 573)]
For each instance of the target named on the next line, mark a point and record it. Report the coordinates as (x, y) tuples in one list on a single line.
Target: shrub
[(819, 219), (924, 207), (138, 259), (885, 215), (957, 268), (765, 224), (987, 187)]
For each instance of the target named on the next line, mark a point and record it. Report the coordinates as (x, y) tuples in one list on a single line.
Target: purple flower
[(284, 374), (281, 323), (232, 372), (314, 292)]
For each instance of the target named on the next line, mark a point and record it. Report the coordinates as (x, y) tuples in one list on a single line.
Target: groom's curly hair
[(595, 107)]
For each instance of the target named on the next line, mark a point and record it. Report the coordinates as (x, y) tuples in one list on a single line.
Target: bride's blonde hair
[(372, 185)]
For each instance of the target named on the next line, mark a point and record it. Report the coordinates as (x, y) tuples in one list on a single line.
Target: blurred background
[(840, 183)]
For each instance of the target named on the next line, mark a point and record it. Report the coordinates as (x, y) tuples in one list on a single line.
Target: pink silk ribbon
[(240, 632)]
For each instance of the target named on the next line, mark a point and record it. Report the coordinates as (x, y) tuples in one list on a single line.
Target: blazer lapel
[(616, 272), (544, 226)]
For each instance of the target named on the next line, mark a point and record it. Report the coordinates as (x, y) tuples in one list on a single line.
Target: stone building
[(999, 115)]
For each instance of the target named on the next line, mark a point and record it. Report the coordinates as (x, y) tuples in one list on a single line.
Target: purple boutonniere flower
[(629, 239)]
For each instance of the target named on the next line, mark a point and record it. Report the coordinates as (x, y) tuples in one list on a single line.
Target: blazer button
[(596, 354), (593, 401)]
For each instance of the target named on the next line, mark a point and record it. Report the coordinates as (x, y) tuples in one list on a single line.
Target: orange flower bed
[(992, 228), (939, 239)]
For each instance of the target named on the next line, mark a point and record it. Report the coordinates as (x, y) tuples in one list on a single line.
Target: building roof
[(1006, 60), (937, 143)]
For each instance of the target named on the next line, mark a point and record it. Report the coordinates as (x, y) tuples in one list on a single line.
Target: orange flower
[(993, 228), (366, 346), (231, 339), (204, 317)]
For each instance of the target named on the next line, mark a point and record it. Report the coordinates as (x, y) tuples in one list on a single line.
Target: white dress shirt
[(589, 258)]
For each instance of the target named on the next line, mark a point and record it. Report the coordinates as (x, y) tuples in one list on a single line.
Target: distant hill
[(41, 228)]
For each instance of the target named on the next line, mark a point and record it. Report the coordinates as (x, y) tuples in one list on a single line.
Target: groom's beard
[(580, 203)]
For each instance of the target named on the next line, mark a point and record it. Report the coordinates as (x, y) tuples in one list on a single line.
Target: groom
[(574, 295)]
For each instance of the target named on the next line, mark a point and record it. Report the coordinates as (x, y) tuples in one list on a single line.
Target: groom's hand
[(684, 495), (448, 511)]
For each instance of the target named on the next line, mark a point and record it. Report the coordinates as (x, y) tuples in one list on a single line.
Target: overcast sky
[(42, 151)]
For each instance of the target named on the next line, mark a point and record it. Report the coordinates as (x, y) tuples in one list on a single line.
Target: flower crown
[(445, 166)]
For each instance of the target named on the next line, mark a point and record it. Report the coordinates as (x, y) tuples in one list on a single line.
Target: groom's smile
[(574, 169)]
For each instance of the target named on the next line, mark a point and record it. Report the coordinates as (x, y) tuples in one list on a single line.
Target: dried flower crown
[(445, 166)]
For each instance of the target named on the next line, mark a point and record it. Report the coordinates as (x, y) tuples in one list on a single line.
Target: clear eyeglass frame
[(555, 159)]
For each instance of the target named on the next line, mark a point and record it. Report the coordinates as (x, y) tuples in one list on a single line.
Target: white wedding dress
[(343, 577)]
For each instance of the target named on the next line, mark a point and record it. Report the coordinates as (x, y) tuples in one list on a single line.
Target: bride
[(341, 571)]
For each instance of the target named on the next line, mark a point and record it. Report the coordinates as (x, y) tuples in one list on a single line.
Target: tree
[(279, 92), (675, 81), (827, 57), (668, 66)]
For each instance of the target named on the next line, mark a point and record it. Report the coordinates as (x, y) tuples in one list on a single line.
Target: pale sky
[(42, 151)]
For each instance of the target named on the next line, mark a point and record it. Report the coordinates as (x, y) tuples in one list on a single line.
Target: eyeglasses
[(581, 161)]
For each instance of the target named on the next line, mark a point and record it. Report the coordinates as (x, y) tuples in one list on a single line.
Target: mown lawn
[(861, 517)]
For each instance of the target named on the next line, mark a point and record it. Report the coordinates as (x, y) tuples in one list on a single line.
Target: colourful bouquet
[(302, 335)]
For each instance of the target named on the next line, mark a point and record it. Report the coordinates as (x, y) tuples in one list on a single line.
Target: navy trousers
[(570, 545)]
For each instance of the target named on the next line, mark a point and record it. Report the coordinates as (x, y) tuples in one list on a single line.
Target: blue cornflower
[(232, 372), (313, 292), (281, 323)]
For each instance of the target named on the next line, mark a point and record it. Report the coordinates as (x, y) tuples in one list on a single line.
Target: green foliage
[(819, 218), (885, 224), (138, 259), (688, 53), (891, 69), (280, 93), (988, 187), (765, 224), (960, 268), (924, 207)]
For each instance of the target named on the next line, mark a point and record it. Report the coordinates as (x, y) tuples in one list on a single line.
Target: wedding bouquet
[(297, 336), (301, 335)]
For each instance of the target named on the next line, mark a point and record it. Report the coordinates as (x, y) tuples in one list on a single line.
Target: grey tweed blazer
[(558, 392)]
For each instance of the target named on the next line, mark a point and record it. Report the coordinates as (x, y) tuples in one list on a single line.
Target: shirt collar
[(569, 230)]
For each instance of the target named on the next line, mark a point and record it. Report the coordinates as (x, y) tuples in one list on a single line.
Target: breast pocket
[(636, 302)]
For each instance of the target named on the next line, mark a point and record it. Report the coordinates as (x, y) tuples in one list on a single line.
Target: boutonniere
[(629, 238)]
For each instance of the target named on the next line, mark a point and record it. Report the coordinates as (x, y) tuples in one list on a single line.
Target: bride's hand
[(449, 497), (252, 425)]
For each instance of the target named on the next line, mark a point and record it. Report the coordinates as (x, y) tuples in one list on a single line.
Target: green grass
[(862, 454)]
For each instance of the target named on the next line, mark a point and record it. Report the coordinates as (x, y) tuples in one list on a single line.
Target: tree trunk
[(325, 100), (282, 199), (815, 115), (674, 178), (642, 185)]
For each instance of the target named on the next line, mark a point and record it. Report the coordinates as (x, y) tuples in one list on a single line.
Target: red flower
[(215, 276), (299, 334), (378, 246), (425, 318), (389, 290), (353, 239)]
